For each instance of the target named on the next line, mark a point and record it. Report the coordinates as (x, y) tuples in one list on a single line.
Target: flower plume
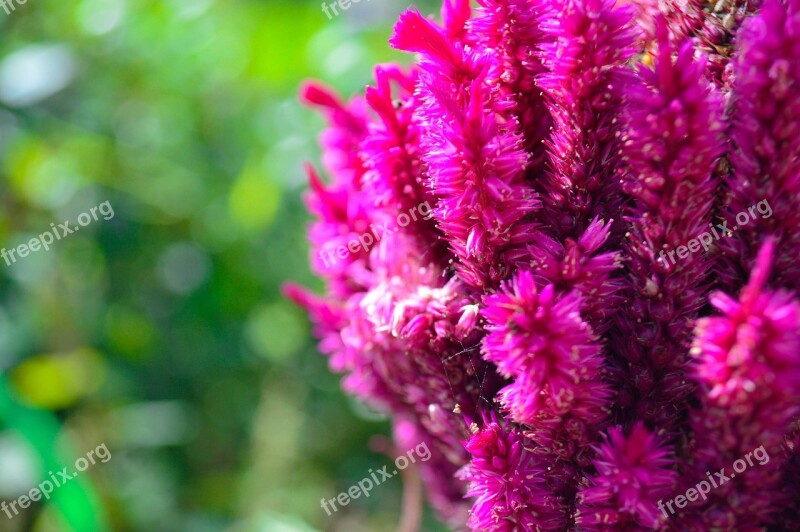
[(566, 329)]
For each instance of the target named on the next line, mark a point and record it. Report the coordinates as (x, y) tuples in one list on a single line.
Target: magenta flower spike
[(672, 142), (711, 27), (583, 265), (554, 357), (540, 340), (544, 323), (474, 160), (748, 368), (634, 473), (507, 482), (590, 41), (347, 127), (511, 30), (764, 187)]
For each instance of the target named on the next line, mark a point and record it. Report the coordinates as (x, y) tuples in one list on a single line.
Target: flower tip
[(467, 321), (415, 33), (315, 94), (761, 270), (455, 14), (297, 294)]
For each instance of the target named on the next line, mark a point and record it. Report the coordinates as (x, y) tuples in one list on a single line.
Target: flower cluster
[(565, 375)]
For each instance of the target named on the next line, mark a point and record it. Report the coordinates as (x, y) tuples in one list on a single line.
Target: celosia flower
[(342, 217), (537, 300), (749, 372), (510, 29), (551, 353), (634, 472), (400, 344), (474, 161), (766, 155), (710, 26), (584, 85), (347, 127), (557, 367), (584, 266), (455, 16), (508, 483), (672, 142), (391, 154), (343, 214), (391, 149)]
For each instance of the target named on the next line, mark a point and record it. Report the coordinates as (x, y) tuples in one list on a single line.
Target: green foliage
[(161, 331)]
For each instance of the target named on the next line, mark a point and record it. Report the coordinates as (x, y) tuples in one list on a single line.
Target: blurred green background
[(162, 331)]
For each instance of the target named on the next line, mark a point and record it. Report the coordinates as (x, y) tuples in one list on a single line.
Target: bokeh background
[(162, 332)]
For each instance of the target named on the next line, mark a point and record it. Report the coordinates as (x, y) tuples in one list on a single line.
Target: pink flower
[(765, 181), (589, 42), (748, 367), (634, 473), (511, 30), (566, 148), (507, 482), (475, 161), (672, 139), (544, 345)]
